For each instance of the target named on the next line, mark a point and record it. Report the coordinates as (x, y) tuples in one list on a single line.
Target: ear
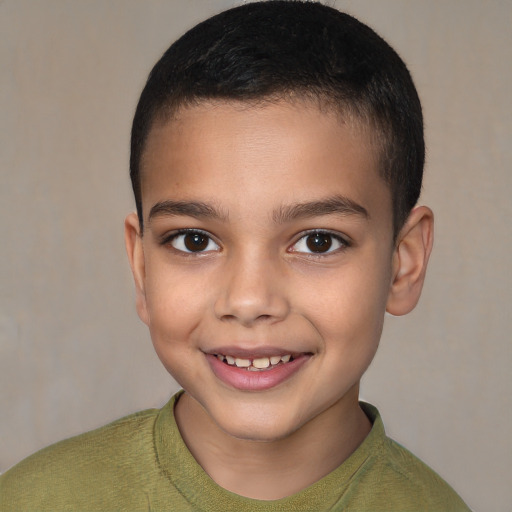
[(410, 259), (135, 251)]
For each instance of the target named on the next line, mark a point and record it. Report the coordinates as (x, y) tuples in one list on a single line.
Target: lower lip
[(246, 380)]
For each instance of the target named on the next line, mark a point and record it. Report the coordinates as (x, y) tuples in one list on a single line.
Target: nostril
[(244, 304), (228, 317)]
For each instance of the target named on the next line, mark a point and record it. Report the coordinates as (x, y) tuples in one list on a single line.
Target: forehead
[(284, 151)]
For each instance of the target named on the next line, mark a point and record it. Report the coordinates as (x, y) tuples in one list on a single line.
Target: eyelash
[(343, 242), (172, 237)]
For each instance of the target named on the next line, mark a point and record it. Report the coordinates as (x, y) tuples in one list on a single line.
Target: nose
[(251, 292)]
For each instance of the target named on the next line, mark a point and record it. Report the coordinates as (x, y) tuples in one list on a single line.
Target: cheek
[(175, 303), (174, 314), (349, 304)]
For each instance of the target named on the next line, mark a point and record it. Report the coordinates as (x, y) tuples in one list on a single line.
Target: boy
[(276, 160)]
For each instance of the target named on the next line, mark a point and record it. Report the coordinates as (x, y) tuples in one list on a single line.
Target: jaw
[(275, 419), (265, 405)]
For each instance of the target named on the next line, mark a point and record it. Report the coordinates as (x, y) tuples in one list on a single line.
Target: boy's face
[(268, 233)]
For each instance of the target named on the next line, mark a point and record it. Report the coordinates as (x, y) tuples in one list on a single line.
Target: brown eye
[(193, 242), (319, 242)]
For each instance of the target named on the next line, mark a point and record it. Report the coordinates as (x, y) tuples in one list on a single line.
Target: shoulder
[(73, 470), (403, 481), (412, 477)]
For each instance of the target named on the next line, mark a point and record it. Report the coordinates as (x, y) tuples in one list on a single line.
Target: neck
[(272, 470)]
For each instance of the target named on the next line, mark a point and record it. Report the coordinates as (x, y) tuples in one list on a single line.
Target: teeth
[(260, 363)]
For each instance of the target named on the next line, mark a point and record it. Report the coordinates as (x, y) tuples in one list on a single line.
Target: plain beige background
[(73, 354)]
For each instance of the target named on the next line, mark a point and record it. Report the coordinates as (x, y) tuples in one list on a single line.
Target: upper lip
[(251, 353)]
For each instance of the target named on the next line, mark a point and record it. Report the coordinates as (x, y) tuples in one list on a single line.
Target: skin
[(257, 287)]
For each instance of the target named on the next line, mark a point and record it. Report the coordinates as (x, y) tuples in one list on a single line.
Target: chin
[(258, 435), (263, 429)]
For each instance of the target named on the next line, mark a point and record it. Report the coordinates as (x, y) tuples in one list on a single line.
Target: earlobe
[(412, 252), (135, 252)]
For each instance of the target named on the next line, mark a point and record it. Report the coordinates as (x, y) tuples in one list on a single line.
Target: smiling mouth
[(257, 364), (262, 370)]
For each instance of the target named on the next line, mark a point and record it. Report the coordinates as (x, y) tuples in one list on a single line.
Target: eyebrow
[(196, 209), (336, 205)]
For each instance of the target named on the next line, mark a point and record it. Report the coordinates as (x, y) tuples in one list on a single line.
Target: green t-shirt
[(141, 463)]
